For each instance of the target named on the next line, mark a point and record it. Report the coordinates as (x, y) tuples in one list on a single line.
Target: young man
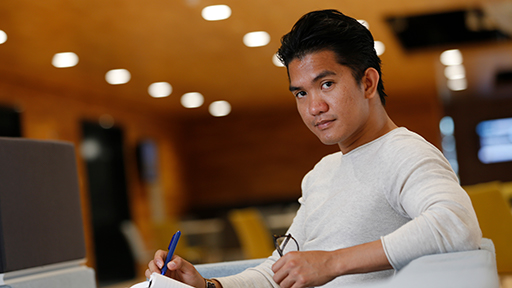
[(387, 198)]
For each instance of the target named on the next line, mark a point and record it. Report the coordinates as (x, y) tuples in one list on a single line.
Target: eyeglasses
[(281, 241)]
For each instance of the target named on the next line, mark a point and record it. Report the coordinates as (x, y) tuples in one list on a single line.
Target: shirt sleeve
[(443, 219), (257, 277)]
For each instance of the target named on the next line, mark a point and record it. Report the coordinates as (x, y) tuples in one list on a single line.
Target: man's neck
[(379, 124)]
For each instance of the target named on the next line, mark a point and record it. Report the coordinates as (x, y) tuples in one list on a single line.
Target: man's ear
[(370, 81)]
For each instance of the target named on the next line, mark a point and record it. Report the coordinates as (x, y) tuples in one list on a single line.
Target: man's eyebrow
[(323, 74), (317, 78), (293, 88)]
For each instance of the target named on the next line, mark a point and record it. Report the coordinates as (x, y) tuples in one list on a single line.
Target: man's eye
[(300, 94), (327, 85)]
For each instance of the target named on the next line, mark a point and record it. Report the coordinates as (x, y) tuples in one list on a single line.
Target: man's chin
[(327, 141)]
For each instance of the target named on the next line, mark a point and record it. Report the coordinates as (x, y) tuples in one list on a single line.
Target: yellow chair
[(495, 218), (163, 232), (506, 191), (254, 236)]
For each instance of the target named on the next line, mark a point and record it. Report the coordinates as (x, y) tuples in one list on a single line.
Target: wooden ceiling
[(169, 41)]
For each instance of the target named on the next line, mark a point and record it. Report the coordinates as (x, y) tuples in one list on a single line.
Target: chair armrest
[(475, 268), (228, 268), (468, 269)]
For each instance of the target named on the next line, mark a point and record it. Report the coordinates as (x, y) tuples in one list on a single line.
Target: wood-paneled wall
[(261, 156), (54, 116), (246, 158)]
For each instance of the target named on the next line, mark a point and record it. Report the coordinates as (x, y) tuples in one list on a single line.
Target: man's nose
[(317, 105)]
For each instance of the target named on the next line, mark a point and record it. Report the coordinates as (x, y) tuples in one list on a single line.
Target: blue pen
[(172, 247)]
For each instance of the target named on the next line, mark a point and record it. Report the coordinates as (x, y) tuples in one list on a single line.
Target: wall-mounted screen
[(495, 140)]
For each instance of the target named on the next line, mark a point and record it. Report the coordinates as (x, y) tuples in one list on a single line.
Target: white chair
[(469, 269)]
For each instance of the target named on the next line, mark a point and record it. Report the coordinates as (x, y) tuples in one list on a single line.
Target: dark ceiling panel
[(444, 29)]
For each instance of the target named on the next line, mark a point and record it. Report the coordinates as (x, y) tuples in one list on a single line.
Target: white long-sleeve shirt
[(398, 188)]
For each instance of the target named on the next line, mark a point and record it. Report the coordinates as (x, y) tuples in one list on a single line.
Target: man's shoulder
[(331, 158), (398, 145), (408, 147), (327, 162), (410, 141)]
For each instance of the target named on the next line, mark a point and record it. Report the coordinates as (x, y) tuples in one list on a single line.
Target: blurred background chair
[(254, 236), (143, 250), (163, 232), (506, 191), (495, 218)]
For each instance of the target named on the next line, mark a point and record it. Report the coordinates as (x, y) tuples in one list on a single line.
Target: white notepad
[(161, 281)]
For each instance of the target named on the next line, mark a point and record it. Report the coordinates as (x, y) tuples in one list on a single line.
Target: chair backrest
[(495, 218), (506, 191), (40, 210), (254, 236)]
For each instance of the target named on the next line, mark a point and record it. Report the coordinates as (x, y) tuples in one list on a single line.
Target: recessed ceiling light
[(220, 108), (256, 39), (455, 72), (379, 47), (457, 84), (118, 76), (192, 100), (160, 89), (3, 37), (451, 57), (276, 61), (216, 12), (64, 60)]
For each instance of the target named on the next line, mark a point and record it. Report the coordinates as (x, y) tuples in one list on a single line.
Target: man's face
[(332, 104)]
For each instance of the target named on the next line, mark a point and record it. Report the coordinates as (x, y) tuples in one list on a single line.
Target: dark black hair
[(332, 30)]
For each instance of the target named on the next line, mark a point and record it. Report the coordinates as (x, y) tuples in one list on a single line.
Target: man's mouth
[(323, 124)]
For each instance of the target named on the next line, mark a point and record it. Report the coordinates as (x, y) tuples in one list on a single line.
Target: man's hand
[(304, 269), (314, 268), (178, 268)]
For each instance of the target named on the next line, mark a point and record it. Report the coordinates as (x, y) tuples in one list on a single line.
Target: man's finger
[(279, 275), (159, 258), (153, 267), (176, 263), (278, 265)]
